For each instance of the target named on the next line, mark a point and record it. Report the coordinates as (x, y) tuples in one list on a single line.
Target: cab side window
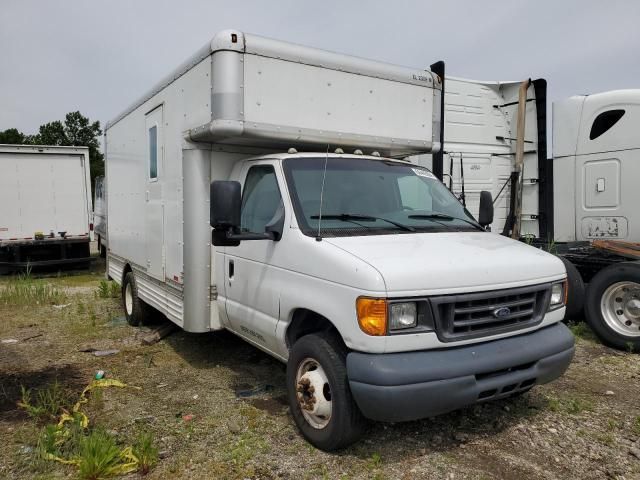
[(261, 199), (604, 122)]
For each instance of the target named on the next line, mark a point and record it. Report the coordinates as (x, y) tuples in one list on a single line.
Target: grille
[(474, 315)]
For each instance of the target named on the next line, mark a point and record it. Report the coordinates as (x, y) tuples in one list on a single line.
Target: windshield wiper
[(347, 217), (444, 216)]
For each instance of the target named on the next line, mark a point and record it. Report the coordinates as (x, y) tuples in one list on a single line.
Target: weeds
[(570, 405), (375, 461), (48, 402), (576, 405), (107, 289), (581, 330), (636, 425), (99, 456), (93, 452), (24, 290), (146, 452)]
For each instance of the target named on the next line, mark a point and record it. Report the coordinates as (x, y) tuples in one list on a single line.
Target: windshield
[(371, 197)]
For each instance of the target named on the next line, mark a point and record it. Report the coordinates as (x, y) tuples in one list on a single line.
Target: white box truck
[(45, 207), (386, 299), (581, 204), (100, 215)]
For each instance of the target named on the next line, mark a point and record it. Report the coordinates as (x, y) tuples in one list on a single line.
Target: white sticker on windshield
[(423, 173)]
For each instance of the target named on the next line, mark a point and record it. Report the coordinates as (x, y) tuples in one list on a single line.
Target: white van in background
[(100, 215)]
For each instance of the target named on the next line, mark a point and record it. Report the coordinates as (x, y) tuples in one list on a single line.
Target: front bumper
[(398, 387)]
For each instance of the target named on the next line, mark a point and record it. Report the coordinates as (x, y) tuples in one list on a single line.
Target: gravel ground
[(216, 407)]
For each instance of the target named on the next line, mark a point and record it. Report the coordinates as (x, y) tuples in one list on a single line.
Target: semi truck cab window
[(261, 199)]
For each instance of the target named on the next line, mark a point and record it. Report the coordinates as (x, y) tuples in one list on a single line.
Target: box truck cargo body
[(233, 205), (45, 206)]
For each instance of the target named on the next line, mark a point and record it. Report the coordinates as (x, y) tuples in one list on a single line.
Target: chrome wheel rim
[(128, 299), (620, 307), (313, 393)]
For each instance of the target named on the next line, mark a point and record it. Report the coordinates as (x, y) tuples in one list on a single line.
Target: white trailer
[(100, 215), (381, 292), (480, 151), (45, 206)]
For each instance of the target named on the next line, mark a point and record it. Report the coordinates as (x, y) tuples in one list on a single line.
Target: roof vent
[(375, 154), (338, 151), (357, 152), (291, 151)]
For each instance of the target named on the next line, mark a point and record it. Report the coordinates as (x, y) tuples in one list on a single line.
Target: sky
[(98, 56)]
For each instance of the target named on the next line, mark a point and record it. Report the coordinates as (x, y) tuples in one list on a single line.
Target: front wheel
[(318, 392), (613, 305)]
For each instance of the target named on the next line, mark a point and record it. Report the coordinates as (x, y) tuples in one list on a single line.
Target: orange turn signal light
[(372, 315)]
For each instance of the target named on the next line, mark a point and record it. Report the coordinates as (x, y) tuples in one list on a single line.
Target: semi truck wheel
[(575, 298), (613, 305), (135, 309), (318, 392)]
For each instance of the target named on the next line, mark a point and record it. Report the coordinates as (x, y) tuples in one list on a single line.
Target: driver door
[(252, 286)]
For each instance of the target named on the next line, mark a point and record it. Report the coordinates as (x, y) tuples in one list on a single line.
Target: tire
[(135, 310), (612, 306), (576, 292), (321, 357), (101, 248)]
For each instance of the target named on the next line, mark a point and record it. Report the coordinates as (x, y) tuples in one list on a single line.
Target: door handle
[(231, 270)]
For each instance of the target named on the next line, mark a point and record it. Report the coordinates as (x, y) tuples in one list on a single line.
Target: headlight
[(558, 295), (403, 315)]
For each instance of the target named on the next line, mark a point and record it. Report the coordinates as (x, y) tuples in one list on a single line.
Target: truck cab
[(596, 161), (383, 294)]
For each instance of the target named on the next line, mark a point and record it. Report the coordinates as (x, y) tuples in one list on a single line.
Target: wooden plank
[(626, 249)]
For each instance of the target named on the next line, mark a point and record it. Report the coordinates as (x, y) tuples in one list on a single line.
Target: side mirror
[(485, 216), (225, 214), (224, 206)]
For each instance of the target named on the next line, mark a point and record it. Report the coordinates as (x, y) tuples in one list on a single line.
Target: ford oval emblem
[(502, 312)]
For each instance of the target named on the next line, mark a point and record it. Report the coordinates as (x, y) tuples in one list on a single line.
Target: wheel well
[(127, 268), (304, 322)]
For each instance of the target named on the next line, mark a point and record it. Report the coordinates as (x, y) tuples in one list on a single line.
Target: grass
[(47, 402), (99, 456), (570, 404), (146, 452), (107, 289), (24, 290), (93, 451), (582, 330)]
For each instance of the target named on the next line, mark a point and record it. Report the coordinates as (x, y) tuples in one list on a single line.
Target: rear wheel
[(319, 395), (135, 310), (613, 305)]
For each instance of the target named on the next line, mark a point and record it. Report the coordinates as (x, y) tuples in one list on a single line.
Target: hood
[(452, 262)]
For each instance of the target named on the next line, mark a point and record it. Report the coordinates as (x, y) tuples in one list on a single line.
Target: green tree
[(12, 136)]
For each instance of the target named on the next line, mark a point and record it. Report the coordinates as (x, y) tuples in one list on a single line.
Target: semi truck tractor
[(581, 204)]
